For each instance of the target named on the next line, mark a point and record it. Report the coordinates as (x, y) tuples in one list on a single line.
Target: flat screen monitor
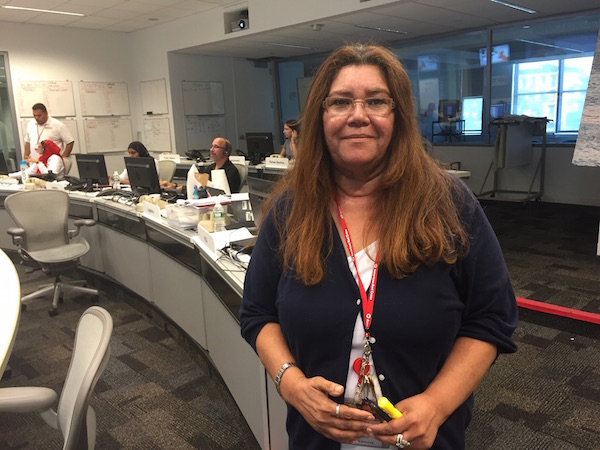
[(500, 53), (260, 145), (497, 111), (448, 110), (3, 166), (427, 63), (92, 170), (142, 174)]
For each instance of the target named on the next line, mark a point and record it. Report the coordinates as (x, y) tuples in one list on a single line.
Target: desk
[(10, 308), (199, 294), (448, 129)]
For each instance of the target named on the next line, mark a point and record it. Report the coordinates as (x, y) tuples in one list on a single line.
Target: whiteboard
[(107, 134), (200, 131), (157, 134), (154, 97), (71, 124), (101, 98), (203, 98), (57, 96)]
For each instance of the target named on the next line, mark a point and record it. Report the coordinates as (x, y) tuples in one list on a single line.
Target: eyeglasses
[(217, 146), (374, 106)]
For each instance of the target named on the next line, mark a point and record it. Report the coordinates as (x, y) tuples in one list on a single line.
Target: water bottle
[(23, 167), (116, 182), (219, 217)]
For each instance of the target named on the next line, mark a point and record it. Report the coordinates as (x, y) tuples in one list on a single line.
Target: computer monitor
[(92, 170), (448, 110), (260, 145), (143, 176), (3, 166), (497, 111)]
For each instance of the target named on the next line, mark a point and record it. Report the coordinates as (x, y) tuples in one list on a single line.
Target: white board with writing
[(154, 96), (57, 96), (203, 98), (200, 131), (157, 134), (107, 134), (71, 124), (101, 98)]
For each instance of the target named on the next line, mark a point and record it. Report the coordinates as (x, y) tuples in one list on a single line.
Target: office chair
[(166, 169), (10, 308), (74, 418), (68, 164), (43, 238), (243, 171)]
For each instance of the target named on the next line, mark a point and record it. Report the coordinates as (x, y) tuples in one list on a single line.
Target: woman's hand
[(310, 396), (418, 425)]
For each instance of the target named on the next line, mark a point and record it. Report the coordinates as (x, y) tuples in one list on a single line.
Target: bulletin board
[(71, 124), (154, 96), (157, 134), (100, 98), (202, 98), (200, 131), (107, 134), (57, 96)]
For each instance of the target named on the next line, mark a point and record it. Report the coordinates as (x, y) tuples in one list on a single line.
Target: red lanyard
[(367, 302)]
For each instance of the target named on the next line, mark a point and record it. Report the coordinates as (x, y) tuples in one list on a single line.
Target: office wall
[(39, 52)]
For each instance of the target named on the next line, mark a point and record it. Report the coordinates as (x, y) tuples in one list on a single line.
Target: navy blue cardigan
[(415, 321)]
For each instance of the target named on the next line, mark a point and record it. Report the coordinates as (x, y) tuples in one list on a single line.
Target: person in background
[(49, 160), (135, 150), (43, 127), (375, 272), (219, 155), (291, 129)]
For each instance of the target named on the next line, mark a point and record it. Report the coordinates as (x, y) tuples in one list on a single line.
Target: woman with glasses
[(375, 273)]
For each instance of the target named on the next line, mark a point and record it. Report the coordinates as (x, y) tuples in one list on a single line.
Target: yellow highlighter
[(389, 409)]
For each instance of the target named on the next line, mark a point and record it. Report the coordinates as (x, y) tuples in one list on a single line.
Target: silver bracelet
[(285, 367)]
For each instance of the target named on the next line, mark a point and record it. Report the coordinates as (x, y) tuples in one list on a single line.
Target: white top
[(365, 267), (55, 164), (53, 129)]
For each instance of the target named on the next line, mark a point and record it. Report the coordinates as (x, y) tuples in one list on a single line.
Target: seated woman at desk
[(291, 129), (135, 150), (49, 161)]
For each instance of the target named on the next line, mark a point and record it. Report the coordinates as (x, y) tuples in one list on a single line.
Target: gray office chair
[(166, 169), (243, 171), (74, 418), (68, 164), (44, 239)]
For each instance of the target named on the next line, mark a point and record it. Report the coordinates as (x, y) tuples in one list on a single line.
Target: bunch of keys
[(362, 367)]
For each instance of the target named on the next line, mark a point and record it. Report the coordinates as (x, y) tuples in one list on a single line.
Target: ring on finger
[(401, 442), (337, 411)]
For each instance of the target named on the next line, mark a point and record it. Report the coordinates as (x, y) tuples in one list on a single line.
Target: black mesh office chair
[(43, 237)]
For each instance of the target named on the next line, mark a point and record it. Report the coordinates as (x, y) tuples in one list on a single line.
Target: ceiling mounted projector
[(240, 24)]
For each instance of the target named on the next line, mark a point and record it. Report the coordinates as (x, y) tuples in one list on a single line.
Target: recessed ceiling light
[(289, 45), (513, 6), (387, 30), (43, 10)]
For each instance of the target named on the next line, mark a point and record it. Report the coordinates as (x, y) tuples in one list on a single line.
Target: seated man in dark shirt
[(219, 154)]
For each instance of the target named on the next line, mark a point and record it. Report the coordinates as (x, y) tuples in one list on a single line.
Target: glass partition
[(540, 69), (7, 128)]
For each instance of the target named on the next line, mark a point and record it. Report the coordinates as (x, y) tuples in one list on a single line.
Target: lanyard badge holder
[(365, 396)]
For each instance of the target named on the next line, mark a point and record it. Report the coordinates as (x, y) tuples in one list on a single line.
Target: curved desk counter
[(199, 293)]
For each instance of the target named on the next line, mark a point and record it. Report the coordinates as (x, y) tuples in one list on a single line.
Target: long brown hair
[(416, 219)]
